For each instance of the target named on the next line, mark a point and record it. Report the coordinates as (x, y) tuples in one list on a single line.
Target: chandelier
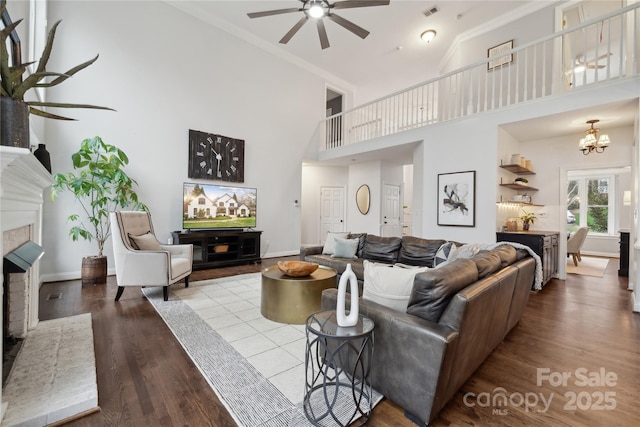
[(593, 142)]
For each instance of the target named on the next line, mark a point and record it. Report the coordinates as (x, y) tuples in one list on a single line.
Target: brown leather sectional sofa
[(457, 315)]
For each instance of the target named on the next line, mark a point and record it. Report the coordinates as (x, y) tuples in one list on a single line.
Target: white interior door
[(332, 210), (391, 224)]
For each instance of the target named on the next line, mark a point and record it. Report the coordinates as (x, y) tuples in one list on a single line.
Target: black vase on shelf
[(43, 156)]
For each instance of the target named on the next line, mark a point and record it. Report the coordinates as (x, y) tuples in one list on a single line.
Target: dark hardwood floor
[(583, 325)]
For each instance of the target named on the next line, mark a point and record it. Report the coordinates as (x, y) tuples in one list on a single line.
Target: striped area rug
[(254, 365)]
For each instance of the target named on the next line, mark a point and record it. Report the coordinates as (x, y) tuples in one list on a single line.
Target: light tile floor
[(232, 309)]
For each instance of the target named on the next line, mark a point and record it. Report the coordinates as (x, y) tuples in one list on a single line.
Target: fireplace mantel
[(23, 180)]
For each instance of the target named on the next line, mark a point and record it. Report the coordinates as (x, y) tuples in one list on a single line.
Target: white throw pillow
[(345, 248), (389, 285), (446, 253), (330, 242)]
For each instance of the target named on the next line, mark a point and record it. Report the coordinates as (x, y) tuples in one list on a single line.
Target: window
[(590, 202)]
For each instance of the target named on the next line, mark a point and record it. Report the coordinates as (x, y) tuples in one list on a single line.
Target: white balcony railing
[(597, 51)]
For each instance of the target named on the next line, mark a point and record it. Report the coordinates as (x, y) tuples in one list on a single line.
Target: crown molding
[(494, 24), (258, 42)]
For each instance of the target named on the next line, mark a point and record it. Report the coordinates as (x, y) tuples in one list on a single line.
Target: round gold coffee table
[(287, 299)]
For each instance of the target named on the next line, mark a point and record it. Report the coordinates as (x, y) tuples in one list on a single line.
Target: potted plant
[(527, 219), (15, 82), (100, 186)]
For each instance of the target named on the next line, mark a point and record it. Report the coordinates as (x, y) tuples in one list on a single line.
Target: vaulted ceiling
[(392, 54)]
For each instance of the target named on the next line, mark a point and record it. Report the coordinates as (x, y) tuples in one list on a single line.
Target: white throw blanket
[(469, 250)]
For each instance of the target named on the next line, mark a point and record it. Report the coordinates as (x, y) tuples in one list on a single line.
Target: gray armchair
[(141, 260), (574, 244)]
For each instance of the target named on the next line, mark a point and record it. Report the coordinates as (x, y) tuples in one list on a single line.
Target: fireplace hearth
[(23, 180)]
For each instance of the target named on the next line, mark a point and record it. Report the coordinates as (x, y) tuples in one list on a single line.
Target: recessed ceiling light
[(428, 35)]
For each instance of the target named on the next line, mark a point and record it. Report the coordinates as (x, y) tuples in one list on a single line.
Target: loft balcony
[(596, 52)]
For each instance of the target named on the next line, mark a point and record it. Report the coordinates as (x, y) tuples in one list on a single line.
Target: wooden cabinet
[(543, 243), (217, 248)]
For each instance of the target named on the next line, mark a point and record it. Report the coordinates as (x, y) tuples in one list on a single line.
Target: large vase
[(94, 270), (348, 277), (43, 156), (14, 117)]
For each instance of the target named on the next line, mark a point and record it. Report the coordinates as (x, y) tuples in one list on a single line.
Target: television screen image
[(207, 206)]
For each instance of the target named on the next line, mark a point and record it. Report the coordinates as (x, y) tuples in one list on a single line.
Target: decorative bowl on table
[(297, 268)]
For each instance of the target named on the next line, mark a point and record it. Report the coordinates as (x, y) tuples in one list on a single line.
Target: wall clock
[(215, 157)]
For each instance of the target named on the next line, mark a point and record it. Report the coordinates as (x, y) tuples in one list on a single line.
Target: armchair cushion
[(145, 242)]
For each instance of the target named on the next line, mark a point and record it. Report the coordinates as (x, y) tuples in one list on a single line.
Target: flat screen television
[(208, 206)]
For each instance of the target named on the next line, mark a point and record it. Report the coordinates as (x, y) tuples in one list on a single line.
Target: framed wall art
[(457, 199), (497, 50), (215, 157)]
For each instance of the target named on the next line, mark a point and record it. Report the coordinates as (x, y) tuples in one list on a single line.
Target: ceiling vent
[(430, 12)]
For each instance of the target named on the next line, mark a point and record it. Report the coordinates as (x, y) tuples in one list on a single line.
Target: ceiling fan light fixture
[(316, 11), (428, 35)]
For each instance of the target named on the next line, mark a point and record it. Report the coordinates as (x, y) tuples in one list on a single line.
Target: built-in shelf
[(517, 204), (519, 187), (517, 169)]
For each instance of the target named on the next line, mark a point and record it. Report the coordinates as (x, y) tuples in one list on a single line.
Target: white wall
[(313, 178), (369, 173), (166, 72)]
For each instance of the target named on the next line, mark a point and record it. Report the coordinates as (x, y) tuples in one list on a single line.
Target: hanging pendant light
[(592, 141)]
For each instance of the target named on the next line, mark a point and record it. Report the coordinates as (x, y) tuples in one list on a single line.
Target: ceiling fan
[(318, 10), (580, 64)]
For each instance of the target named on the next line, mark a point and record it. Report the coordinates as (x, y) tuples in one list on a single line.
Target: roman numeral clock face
[(215, 157)]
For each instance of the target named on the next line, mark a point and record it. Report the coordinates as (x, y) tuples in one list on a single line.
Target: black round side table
[(337, 365)]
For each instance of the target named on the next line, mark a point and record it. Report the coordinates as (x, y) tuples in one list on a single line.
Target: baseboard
[(75, 275), (635, 302), (69, 275), (280, 254), (600, 254)]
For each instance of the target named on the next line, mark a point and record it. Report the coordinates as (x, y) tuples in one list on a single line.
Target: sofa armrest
[(310, 250), (412, 357)]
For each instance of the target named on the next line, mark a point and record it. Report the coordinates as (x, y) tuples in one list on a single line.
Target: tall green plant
[(100, 186), (15, 81)]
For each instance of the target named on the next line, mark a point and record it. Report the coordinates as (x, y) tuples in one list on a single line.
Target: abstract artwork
[(457, 199)]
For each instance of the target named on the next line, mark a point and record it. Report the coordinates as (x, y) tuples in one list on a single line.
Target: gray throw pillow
[(345, 248)]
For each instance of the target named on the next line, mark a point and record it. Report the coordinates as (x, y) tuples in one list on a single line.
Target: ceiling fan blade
[(293, 30), (602, 56), (322, 33), (359, 3), (358, 31), (272, 12)]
